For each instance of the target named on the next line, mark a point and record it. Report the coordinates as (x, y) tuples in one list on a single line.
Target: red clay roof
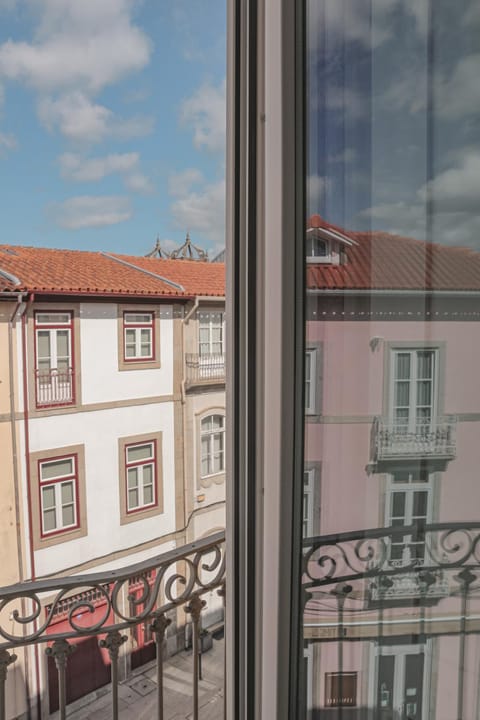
[(380, 261), (92, 273)]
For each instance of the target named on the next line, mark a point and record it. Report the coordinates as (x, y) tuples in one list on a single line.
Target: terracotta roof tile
[(381, 261), (93, 273)]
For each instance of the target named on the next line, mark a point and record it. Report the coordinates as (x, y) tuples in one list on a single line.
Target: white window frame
[(311, 382), (412, 425), (210, 456), (399, 652), (140, 465), (53, 326), (206, 322), (315, 259), (57, 482), (138, 326), (308, 501), (409, 488)]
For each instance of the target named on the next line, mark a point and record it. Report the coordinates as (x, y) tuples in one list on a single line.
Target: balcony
[(54, 388), (153, 606), (395, 441), (356, 571), (204, 369)]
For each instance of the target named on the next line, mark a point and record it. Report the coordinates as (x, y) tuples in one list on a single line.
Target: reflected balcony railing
[(147, 594), (431, 439), (54, 387), (360, 564), (202, 369)]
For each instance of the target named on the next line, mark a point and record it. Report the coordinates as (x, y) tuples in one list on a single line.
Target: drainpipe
[(29, 486), (18, 312)]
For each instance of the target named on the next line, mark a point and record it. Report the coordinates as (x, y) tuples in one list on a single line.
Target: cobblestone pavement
[(137, 695)]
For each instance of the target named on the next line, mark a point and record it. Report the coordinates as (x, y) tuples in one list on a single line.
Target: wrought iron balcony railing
[(431, 439), (145, 594), (204, 368), (54, 387), (361, 561)]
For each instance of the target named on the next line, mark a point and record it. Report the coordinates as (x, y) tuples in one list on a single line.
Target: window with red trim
[(54, 364), (58, 494), (138, 336), (141, 471)]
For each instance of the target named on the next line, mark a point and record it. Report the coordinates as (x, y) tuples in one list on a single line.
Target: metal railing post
[(6, 659), (194, 608), (112, 642), (159, 627), (60, 651)]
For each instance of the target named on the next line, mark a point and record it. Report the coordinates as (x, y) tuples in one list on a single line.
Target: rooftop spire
[(158, 252), (189, 251)]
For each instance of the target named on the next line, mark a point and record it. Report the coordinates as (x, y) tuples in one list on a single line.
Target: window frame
[(209, 477), (43, 539), (57, 482), (54, 327), (409, 488), (152, 509), (211, 312), (152, 461), (412, 424), (137, 327), (139, 363)]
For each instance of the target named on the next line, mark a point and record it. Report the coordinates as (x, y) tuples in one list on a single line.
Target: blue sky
[(112, 123), (376, 149)]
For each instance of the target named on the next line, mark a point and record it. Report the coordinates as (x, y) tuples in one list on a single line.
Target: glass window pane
[(63, 343), (49, 520), (403, 366), (43, 344), (138, 318), (147, 474), (57, 468), (133, 499), (68, 515), (148, 495), (389, 145), (139, 452), (52, 318), (398, 504), (67, 493), (132, 477), (48, 496)]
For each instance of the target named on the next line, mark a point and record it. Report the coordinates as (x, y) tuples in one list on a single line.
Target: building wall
[(352, 382)]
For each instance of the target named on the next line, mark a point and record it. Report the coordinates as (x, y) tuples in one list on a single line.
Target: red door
[(88, 667)]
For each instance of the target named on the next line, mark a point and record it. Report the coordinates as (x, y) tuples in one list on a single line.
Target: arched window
[(212, 443)]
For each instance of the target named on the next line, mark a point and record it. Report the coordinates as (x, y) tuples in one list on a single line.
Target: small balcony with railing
[(54, 387), (435, 439), (203, 369), (163, 611)]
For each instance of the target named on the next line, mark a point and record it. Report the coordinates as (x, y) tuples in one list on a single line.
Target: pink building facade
[(391, 492)]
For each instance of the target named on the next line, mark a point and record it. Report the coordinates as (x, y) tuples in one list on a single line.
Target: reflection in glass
[(392, 265)]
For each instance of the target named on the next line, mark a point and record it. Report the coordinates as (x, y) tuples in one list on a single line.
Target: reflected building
[(391, 493)]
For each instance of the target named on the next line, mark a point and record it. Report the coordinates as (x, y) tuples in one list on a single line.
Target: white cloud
[(7, 142), (200, 208), (180, 183), (81, 120), (81, 169), (456, 189), (459, 95), (317, 187), (86, 44), (77, 50), (205, 112), (138, 182), (87, 211), (456, 202), (75, 167)]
